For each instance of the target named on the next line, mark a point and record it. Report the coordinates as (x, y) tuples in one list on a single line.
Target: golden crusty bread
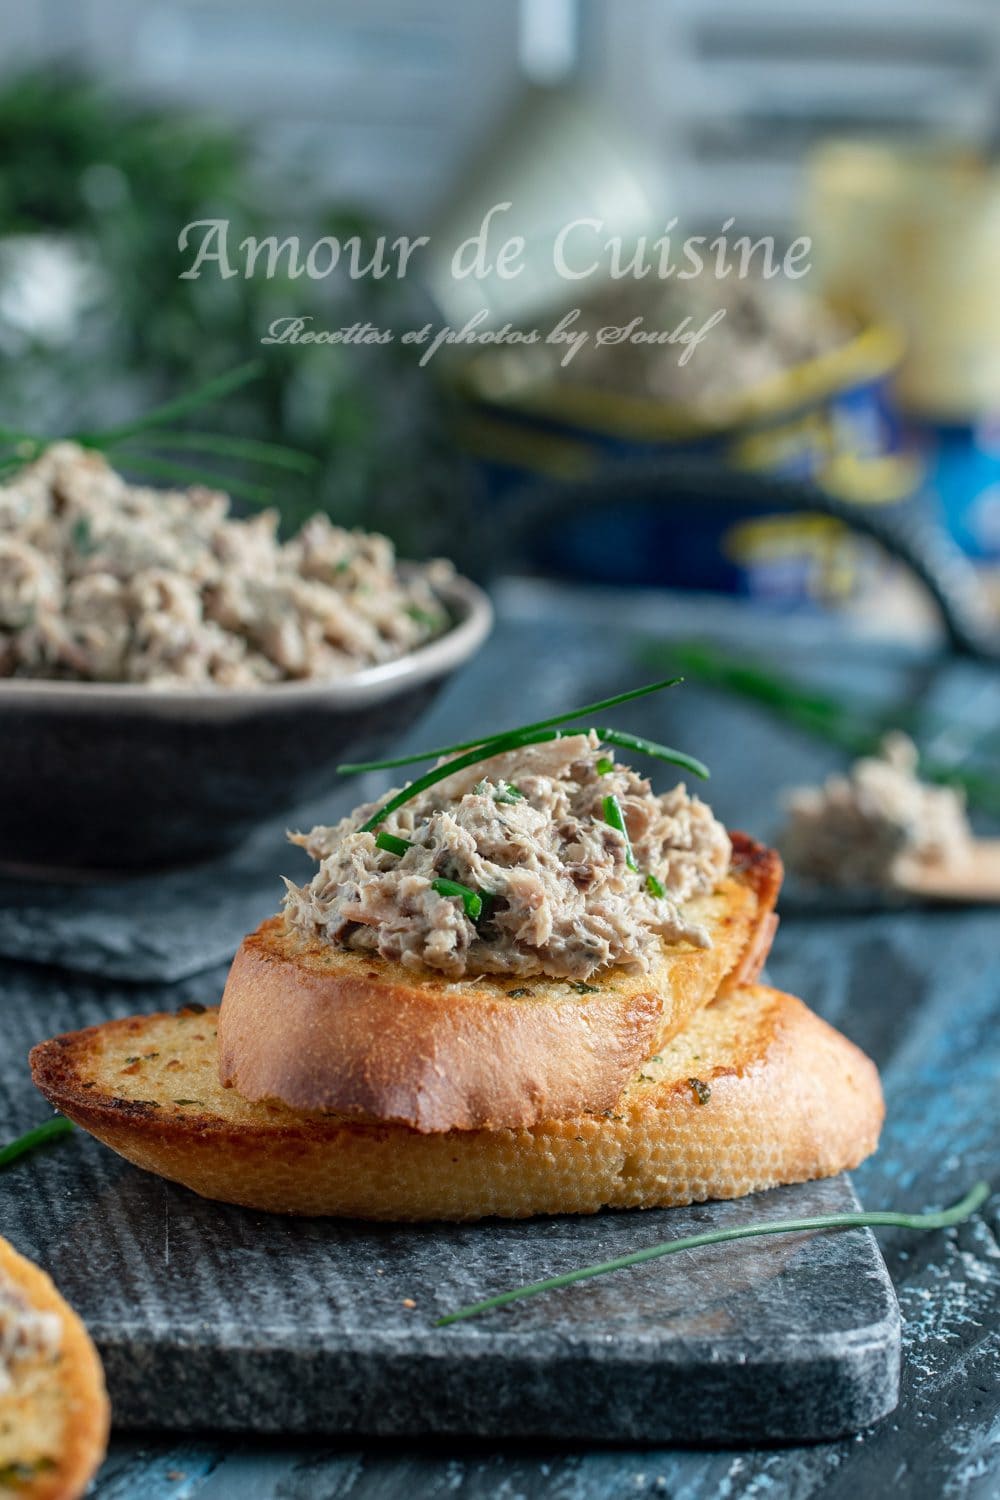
[(318, 1027), (756, 1091), (54, 1419)]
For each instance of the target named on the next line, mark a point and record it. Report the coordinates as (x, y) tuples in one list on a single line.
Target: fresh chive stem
[(440, 773), (945, 1219), (517, 741), (471, 900), (605, 766), (227, 446), (507, 794), (25, 452), (41, 1135), (391, 844), (615, 818), (643, 746), (161, 416), (166, 468), (655, 887), (855, 724), (350, 768)]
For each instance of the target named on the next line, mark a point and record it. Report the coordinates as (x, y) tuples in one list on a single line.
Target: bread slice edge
[(318, 1027), (758, 1091)]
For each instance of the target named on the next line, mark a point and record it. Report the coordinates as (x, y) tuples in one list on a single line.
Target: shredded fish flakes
[(105, 581), (527, 830)]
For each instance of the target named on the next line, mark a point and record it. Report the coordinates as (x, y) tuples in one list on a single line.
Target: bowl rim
[(360, 689)]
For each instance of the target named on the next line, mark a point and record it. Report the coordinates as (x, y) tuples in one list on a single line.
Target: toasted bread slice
[(318, 1027), (54, 1417), (757, 1091)]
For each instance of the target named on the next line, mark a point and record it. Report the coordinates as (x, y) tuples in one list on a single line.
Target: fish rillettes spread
[(105, 581), (562, 891), (860, 829)]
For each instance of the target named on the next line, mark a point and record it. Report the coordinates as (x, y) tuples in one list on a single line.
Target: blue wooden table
[(919, 990)]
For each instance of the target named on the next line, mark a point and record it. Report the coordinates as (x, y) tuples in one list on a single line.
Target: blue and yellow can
[(831, 420)]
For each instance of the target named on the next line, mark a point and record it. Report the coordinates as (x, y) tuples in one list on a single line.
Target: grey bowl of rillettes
[(120, 776)]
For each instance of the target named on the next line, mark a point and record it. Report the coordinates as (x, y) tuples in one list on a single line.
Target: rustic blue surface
[(921, 991)]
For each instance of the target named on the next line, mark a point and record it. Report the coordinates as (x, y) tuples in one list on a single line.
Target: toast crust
[(319, 1027), (56, 1413), (782, 1098)]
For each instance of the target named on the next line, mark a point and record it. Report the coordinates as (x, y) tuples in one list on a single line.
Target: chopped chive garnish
[(81, 536), (18, 1473), (654, 886), (51, 1130), (957, 1214), (505, 793), (615, 818), (508, 793), (350, 768), (471, 900), (391, 844), (605, 766)]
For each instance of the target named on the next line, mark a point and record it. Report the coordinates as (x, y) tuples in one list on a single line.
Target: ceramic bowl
[(114, 777)]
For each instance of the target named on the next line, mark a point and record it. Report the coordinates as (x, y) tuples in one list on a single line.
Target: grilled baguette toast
[(319, 1027), (757, 1091), (54, 1418)]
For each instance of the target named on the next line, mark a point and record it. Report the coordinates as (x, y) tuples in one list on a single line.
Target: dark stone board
[(280, 1325)]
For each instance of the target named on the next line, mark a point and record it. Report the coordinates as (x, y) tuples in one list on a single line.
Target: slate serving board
[(206, 1314)]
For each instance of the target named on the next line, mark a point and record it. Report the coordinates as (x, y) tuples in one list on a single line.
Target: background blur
[(869, 124)]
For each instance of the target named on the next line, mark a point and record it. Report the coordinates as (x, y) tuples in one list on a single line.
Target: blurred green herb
[(105, 185), (852, 723), (113, 443), (539, 733)]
